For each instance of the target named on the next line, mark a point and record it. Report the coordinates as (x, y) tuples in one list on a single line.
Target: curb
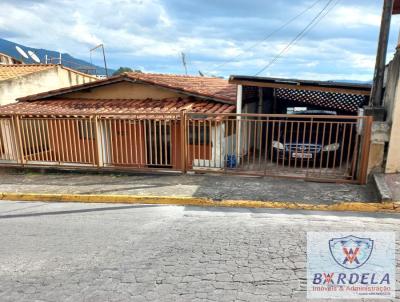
[(384, 192), (391, 207)]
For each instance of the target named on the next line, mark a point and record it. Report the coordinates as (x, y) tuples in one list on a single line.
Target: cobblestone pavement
[(209, 186), (81, 252)]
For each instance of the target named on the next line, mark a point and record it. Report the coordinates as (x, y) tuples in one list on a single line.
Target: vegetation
[(124, 69)]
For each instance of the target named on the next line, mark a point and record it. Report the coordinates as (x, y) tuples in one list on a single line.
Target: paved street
[(82, 252)]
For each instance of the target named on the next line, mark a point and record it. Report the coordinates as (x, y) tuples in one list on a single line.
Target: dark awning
[(396, 7), (326, 86)]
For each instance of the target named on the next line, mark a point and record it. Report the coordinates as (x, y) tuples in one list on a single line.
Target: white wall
[(392, 105), (218, 152), (38, 82)]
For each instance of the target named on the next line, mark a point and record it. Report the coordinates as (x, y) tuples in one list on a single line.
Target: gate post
[(99, 142), (16, 139), (365, 148), (184, 152)]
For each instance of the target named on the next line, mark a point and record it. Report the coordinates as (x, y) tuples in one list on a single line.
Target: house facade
[(140, 121), (18, 80), (133, 121)]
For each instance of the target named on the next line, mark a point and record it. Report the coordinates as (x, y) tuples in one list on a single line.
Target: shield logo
[(351, 252)]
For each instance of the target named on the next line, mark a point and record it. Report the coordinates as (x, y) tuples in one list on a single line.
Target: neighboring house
[(18, 80), (8, 60), (133, 120)]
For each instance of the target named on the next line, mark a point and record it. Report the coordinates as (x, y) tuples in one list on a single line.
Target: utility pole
[(377, 88)]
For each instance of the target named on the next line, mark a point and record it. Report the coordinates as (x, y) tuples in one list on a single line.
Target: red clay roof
[(206, 87), (79, 107)]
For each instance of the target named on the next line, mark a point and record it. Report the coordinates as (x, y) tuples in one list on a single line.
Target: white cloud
[(351, 16), (152, 33), (81, 32)]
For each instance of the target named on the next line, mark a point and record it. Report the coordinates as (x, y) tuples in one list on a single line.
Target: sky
[(218, 37)]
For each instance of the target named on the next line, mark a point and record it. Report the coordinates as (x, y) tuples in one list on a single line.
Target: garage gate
[(313, 147)]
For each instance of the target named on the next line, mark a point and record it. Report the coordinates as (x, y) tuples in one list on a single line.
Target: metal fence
[(8, 143), (140, 141), (325, 148)]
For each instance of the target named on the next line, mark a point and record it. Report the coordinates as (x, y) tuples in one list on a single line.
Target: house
[(18, 80), (134, 120), (144, 122)]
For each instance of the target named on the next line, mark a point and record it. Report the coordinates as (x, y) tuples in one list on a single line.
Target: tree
[(122, 70)]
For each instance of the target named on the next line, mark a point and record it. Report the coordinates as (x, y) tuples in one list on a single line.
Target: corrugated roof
[(81, 107), (297, 84), (206, 87), (18, 70)]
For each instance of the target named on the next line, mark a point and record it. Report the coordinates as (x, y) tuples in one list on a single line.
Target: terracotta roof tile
[(214, 88), (80, 107), (19, 70), (205, 86)]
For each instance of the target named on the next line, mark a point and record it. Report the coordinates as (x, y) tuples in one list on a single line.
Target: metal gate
[(312, 147)]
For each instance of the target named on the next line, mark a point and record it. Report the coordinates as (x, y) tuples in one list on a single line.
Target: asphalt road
[(98, 252)]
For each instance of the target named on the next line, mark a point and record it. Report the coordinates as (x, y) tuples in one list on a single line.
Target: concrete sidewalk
[(214, 187)]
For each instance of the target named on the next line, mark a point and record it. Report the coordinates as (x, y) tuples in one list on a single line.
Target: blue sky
[(219, 37)]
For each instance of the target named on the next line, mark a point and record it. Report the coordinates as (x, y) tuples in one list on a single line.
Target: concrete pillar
[(379, 138), (239, 105), (219, 148), (100, 142), (393, 155)]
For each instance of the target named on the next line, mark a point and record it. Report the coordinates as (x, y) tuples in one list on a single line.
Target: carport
[(264, 95), (312, 130)]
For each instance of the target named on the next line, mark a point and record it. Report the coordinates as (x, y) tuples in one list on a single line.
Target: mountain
[(353, 82), (8, 48)]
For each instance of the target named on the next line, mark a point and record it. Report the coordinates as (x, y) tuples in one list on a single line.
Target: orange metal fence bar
[(315, 147)]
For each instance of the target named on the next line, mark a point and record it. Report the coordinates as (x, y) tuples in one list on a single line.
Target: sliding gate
[(312, 147)]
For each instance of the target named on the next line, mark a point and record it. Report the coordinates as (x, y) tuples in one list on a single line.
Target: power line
[(267, 37), (300, 35), (296, 38), (320, 18)]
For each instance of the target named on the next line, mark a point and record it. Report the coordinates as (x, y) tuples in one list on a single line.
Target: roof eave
[(334, 87), (116, 79)]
